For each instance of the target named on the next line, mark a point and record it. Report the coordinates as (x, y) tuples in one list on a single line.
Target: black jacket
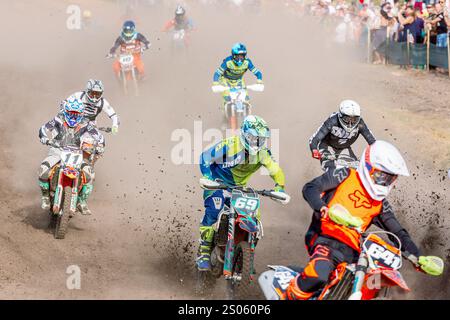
[(332, 134)]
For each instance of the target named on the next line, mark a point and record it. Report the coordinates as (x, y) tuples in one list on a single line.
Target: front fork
[(58, 194), (57, 198), (360, 274), (229, 249)]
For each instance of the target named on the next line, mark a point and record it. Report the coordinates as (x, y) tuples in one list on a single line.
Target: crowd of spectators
[(399, 21)]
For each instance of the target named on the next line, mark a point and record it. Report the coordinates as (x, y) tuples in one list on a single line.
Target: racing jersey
[(344, 186), (229, 161), (134, 45), (229, 70), (186, 24), (67, 136), (92, 110), (332, 134)]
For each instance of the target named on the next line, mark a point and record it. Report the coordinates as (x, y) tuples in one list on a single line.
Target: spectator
[(406, 18), (440, 23), (380, 33)]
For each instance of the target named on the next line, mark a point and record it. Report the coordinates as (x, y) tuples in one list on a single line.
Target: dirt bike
[(237, 232), (179, 39), (342, 160), (238, 107), (65, 185), (128, 71), (376, 270)]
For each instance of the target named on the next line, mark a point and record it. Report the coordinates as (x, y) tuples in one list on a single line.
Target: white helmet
[(94, 90), (349, 114), (379, 167)]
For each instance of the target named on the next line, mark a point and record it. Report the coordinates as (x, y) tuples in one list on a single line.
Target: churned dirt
[(140, 242)]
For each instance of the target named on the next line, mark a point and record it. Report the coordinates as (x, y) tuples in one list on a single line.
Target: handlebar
[(253, 87), (219, 185), (105, 129)]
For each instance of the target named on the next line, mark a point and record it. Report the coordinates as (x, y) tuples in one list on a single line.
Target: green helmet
[(254, 134)]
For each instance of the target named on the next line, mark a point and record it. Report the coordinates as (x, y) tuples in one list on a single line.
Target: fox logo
[(360, 200)]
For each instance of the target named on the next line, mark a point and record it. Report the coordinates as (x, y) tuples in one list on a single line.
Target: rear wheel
[(62, 221), (243, 268)]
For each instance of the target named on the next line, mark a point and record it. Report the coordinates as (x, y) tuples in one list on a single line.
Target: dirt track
[(140, 242)]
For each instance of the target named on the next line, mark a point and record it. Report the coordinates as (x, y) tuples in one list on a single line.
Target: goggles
[(350, 121), (255, 141), (239, 57), (380, 177), (95, 94)]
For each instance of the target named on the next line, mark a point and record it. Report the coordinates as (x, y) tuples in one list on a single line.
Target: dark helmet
[(128, 30)]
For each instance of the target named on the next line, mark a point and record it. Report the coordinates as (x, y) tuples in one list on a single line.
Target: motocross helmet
[(381, 163), (179, 14), (239, 53), (94, 90), (254, 134), (73, 111), (349, 115), (128, 30)]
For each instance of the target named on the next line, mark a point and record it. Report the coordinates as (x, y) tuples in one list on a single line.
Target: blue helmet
[(73, 111), (128, 30), (239, 53), (254, 134)]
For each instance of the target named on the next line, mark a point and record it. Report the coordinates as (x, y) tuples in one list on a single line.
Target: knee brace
[(44, 171), (87, 171)]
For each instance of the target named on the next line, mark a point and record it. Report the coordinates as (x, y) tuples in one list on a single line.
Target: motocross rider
[(233, 161), (232, 70), (338, 133), (94, 104), (130, 41), (363, 193), (180, 21), (68, 128)]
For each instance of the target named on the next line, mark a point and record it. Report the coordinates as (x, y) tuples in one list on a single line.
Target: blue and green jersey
[(229, 162), (229, 70)]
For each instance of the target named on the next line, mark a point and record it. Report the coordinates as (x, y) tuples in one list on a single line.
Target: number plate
[(126, 60), (71, 158), (382, 253)]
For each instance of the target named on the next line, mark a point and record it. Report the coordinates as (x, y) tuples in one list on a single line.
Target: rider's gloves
[(278, 190), (45, 140), (207, 177), (259, 85), (100, 150), (324, 212), (216, 87), (114, 130), (109, 55), (316, 154), (431, 265)]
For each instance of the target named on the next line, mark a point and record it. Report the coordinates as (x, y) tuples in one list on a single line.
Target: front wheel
[(135, 82), (240, 285), (62, 221)]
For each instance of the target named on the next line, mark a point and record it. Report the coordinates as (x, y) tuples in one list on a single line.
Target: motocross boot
[(204, 249), (293, 291), (45, 198), (82, 199)]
